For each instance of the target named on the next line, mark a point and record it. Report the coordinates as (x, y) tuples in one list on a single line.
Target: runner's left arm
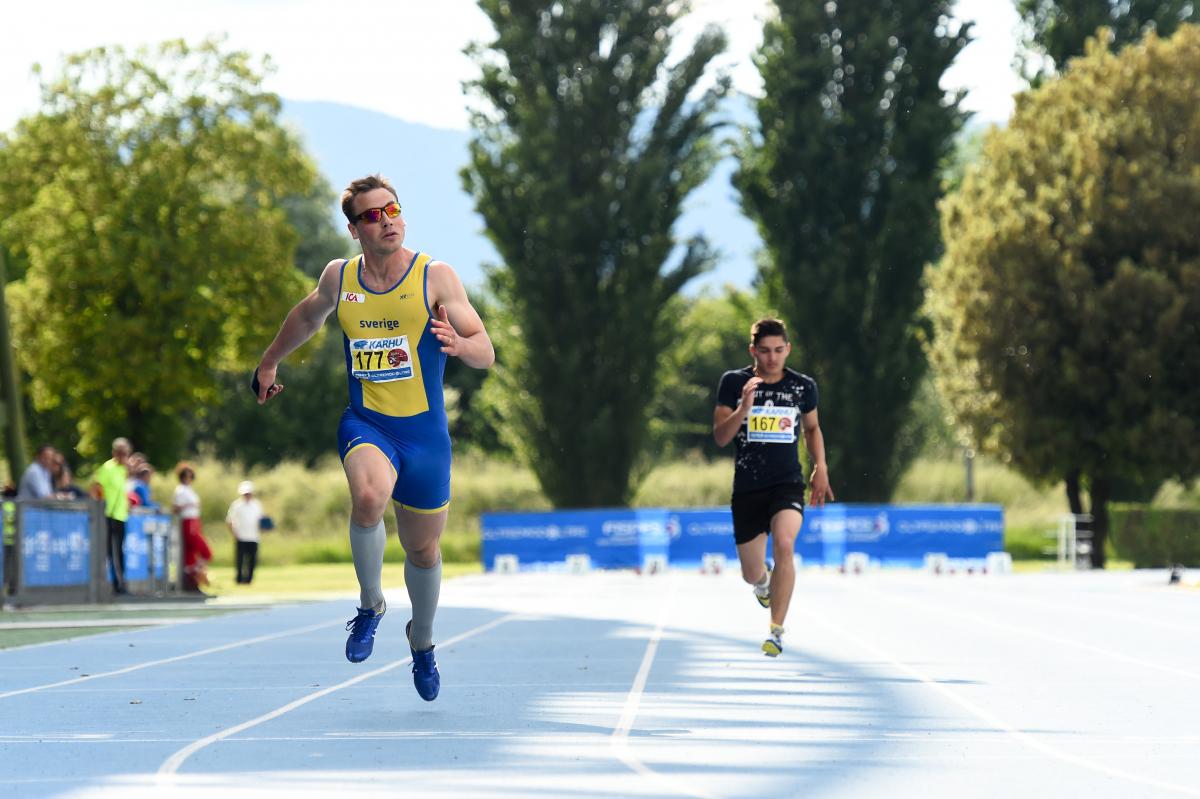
[(455, 321), (815, 441)]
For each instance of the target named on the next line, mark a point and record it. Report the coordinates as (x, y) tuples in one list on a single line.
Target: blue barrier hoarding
[(958, 531), (137, 549), (146, 544), (55, 547), (696, 532), (629, 538), (618, 538), (535, 538), (159, 548), (892, 535), (900, 535)]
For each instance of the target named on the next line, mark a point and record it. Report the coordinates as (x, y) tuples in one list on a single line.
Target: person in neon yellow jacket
[(108, 485)]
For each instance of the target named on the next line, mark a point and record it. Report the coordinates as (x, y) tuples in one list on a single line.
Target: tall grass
[(311, 506)]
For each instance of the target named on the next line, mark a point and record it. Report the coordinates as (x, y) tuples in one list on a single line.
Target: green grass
[(312, 580), (12, 638), (688, 483), (310, 506)]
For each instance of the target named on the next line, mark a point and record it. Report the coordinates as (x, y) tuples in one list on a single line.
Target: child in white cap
[(243, 520)]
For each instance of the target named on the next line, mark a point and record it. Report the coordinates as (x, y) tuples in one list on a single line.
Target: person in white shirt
[(244, 520)]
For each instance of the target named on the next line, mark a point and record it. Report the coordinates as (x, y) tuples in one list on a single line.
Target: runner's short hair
[(767, 327), (361, 186)]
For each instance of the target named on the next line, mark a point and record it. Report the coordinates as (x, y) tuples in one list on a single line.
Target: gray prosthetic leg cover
[(367, 545), (424, 586)]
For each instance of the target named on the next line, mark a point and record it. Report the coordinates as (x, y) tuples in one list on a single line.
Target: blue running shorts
[(420, 458)]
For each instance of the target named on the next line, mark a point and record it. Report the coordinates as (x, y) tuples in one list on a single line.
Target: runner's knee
[(753, 572), (425, 554), (368, 503)]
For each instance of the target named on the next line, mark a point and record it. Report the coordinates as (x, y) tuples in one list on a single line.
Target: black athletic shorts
[(753, 510)]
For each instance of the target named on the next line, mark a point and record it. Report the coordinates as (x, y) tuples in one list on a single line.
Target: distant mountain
[(423, 162)]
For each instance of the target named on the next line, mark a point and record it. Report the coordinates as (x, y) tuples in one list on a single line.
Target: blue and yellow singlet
[(394, 367)]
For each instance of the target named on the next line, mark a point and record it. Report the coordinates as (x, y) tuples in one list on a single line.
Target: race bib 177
[(771, 425), (381, 360)]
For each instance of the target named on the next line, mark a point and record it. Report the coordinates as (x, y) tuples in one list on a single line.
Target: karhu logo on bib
[(350, 296)]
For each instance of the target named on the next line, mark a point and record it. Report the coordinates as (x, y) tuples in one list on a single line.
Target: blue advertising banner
[(892, 535), (900, 535), (159, 549), (137, 549), (55, 547), (696, 532), (958, 531), (534, 538), (611, 539), (629, 538), (146, 532)]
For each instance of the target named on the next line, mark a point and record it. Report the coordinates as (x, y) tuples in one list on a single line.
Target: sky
[(404, 58)]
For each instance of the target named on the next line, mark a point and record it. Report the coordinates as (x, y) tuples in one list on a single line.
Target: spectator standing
[(36, 482), (140, 485), (196, 552), (64, 482), (108, 484), (244, 520)]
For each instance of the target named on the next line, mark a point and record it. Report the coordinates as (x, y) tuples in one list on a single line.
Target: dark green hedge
[(1155, 537)]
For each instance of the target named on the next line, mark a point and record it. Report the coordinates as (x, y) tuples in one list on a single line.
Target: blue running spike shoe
[(424, 670), (362, 634)]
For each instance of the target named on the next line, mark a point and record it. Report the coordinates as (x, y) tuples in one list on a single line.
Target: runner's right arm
[(727, 421), (301, 324)]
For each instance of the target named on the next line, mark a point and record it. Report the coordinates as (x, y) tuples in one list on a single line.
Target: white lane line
[(995, 721), (975, 619), (169, 768), (620, 734), (175, 659)]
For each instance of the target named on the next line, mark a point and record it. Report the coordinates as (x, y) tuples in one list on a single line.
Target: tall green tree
[(12, 416), (842, 178), (586, 144), (1056, 30), (1067, 307), (145, 197)]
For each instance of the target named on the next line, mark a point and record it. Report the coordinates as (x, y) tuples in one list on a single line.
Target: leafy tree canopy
[(145, 200), (1056, 30), (1067, 307)]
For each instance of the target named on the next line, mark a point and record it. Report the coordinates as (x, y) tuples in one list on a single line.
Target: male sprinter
[(401, 314), (758, 408)]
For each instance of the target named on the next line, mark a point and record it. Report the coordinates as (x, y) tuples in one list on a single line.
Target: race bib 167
[(771, 425)]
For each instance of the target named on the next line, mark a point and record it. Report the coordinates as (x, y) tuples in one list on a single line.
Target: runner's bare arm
[(726, 420), (301, 323), (815, 441), (455, 321)]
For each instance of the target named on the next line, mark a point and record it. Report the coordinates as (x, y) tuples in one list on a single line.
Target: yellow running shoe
[(773, 646), (763, 593)]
